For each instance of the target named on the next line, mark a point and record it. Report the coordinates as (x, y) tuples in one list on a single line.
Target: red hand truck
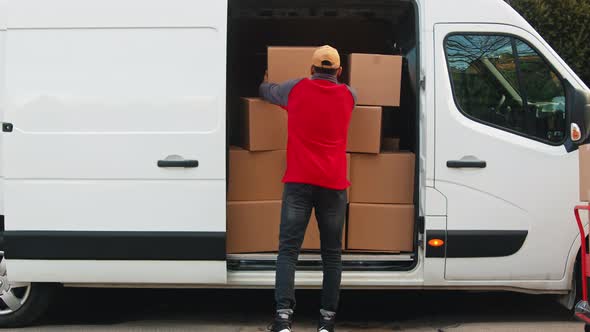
[(582, 310)]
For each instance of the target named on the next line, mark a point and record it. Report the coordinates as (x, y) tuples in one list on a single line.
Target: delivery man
[(319, 111)]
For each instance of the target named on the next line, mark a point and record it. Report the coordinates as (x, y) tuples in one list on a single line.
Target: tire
[(22, 304), (586, 328), (33, 308)]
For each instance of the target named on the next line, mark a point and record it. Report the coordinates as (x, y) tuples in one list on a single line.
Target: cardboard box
[(381, 227), (390, 144), (364, 134), (287, 63), (312, 235), (584, 173), (265, 125), (256, 176), (253, 226), (386, 178), (376, 78)]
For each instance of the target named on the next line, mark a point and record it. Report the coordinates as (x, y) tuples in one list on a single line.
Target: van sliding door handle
[(466, 164), (178, 163)]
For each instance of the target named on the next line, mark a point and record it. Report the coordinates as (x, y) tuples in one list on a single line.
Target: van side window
[(503, 82)]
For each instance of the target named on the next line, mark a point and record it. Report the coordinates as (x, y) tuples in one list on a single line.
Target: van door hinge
[(7, 127), (423, 82), (420, 224)]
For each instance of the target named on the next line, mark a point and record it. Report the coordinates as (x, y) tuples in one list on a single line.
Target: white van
[(94, 93)]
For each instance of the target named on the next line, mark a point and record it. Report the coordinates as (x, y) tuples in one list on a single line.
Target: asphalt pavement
[(251, 310)]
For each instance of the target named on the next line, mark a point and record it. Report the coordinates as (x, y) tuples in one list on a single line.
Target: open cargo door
[(115, 161)]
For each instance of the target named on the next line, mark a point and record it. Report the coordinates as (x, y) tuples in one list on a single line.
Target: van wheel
[(22, 304)]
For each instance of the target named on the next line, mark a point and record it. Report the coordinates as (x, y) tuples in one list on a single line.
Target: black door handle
[(178, 163), (466, 164)]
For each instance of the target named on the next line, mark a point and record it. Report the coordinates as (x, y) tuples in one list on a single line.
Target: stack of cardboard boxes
[(381, 214), (381, 211), (255, 172)]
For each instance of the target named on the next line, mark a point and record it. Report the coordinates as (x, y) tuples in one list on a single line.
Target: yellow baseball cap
[(326, 57)]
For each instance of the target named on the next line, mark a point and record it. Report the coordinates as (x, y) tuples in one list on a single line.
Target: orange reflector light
[(575, 132), (436, 243)]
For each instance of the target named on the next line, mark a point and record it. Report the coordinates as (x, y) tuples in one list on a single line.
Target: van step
[(313, 262), (318, 257)]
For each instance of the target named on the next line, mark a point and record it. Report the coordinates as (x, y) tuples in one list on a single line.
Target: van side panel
[(113, 13), (99, 92), (2, 95), (94, 110), (87, 90)]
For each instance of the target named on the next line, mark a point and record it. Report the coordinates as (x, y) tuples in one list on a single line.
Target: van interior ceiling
[(351, 26)]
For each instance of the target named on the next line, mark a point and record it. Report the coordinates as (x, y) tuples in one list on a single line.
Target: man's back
[(319, 116)]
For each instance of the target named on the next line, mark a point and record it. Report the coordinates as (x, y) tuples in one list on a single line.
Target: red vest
[(319, 117)]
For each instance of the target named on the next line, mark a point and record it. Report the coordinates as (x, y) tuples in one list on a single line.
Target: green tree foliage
[(565, 24)]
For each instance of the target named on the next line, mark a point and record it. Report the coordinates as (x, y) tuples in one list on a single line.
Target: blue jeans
[(330, 210)]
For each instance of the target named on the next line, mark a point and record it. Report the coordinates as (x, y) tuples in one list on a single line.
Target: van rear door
[(115, 162)]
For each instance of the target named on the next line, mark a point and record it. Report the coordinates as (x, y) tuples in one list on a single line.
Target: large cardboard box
[(376, 78), (386, 178), (312, 235), (364, 134), (265, 125), (256, 176), (585, 173), (381, 227), (253, 226), (287, 63)]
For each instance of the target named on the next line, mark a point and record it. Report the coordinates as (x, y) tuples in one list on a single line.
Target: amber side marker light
[(436, 243), (575, 132)]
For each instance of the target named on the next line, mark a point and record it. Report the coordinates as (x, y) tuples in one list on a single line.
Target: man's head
[(326, 60)]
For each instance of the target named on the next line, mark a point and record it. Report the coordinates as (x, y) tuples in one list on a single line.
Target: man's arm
[(353, 93), (277, 93)]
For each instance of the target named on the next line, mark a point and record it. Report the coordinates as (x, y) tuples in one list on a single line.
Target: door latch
[(7, 127), (421, 224)]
